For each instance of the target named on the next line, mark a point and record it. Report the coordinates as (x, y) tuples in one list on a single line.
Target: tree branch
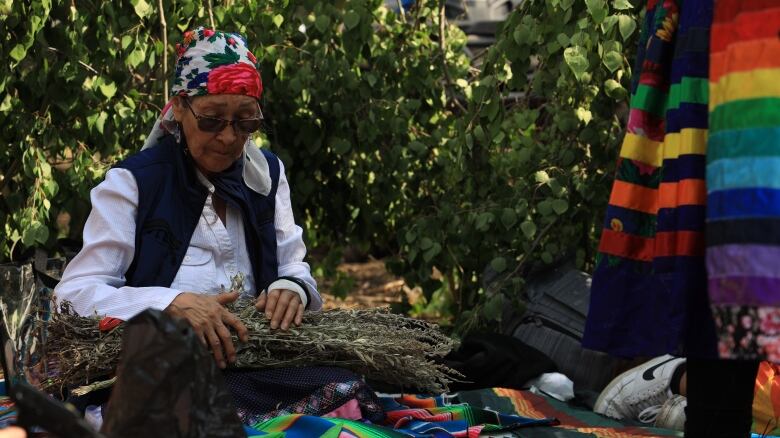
[(12, 169), (211, 14), (164, 26), (401, 8), (535, 243), (499, 284), (81, 63), (442, 47)]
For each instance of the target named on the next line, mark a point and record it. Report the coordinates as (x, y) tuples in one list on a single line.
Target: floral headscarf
[(215, 62)]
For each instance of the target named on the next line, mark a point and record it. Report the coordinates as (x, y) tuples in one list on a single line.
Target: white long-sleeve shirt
[(94, 281)]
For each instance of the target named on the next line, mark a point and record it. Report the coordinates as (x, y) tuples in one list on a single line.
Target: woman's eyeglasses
[(215, 124)]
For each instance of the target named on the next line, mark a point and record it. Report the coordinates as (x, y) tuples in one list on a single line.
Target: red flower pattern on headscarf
[(240, 78)]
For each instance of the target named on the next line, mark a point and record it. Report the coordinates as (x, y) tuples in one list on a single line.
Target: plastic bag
[(168, 385), (555, 385)]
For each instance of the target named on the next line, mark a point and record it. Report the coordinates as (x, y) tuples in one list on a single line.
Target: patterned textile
[(651, 264), (407, 416), (349, 410), (743, 178), (573, 421), (7, 412), (215, 62), (260, 395), (472, 406)]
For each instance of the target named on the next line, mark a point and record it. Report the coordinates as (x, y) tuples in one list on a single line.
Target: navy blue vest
[(170, 203)]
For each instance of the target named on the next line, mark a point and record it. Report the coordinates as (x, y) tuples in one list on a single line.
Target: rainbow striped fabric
[(743, 178), (651, 265), (409, 416)]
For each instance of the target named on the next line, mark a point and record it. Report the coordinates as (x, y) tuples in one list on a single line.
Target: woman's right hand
[(210, 320)]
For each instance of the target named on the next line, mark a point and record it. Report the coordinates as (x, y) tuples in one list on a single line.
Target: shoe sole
[(665, 419), (614, 388), (617, 385)]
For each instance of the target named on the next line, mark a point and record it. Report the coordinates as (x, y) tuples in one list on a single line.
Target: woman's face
[(214, 152)]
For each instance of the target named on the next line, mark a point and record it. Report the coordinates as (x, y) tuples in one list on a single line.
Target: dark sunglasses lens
[(209, 124), (248, 126)]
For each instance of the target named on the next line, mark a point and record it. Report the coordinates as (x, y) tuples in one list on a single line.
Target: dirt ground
[(374, 287)]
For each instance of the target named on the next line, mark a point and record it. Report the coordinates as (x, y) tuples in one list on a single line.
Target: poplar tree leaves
[(36, 233), (410, 236), (609, 23), (322, 23), (483, 221), (418, 148), (351, 19), (97, 121), (126, 40), (627, 26), (340, 146), (622, 4), (529, 229), (494, 307), (613, 60), (542, 177), (498, 264), (142, 8), (18, 52), (5, 7), (597, 9), (136, 57), (584, 115), (108, 89), (576, 59), (431, 249), (560, 206), (614, 89), (508, 218)]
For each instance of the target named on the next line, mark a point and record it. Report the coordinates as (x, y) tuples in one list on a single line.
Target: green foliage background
[(467, 176)]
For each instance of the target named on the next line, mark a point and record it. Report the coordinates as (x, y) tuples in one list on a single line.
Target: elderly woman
[(171, 226)]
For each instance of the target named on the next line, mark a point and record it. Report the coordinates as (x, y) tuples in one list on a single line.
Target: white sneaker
[(672, 414), (638, 389)]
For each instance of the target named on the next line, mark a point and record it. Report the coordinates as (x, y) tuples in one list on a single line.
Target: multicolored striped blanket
[(407, 416), (487, 412)]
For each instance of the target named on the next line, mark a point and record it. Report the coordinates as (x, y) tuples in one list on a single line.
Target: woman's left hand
[(282, 307)]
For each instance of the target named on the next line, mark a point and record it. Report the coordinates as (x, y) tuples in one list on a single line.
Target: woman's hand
[(210, 320), (281, 306)]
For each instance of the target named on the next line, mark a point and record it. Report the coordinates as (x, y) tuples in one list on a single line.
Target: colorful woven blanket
[(522, 413), (407, 416)]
